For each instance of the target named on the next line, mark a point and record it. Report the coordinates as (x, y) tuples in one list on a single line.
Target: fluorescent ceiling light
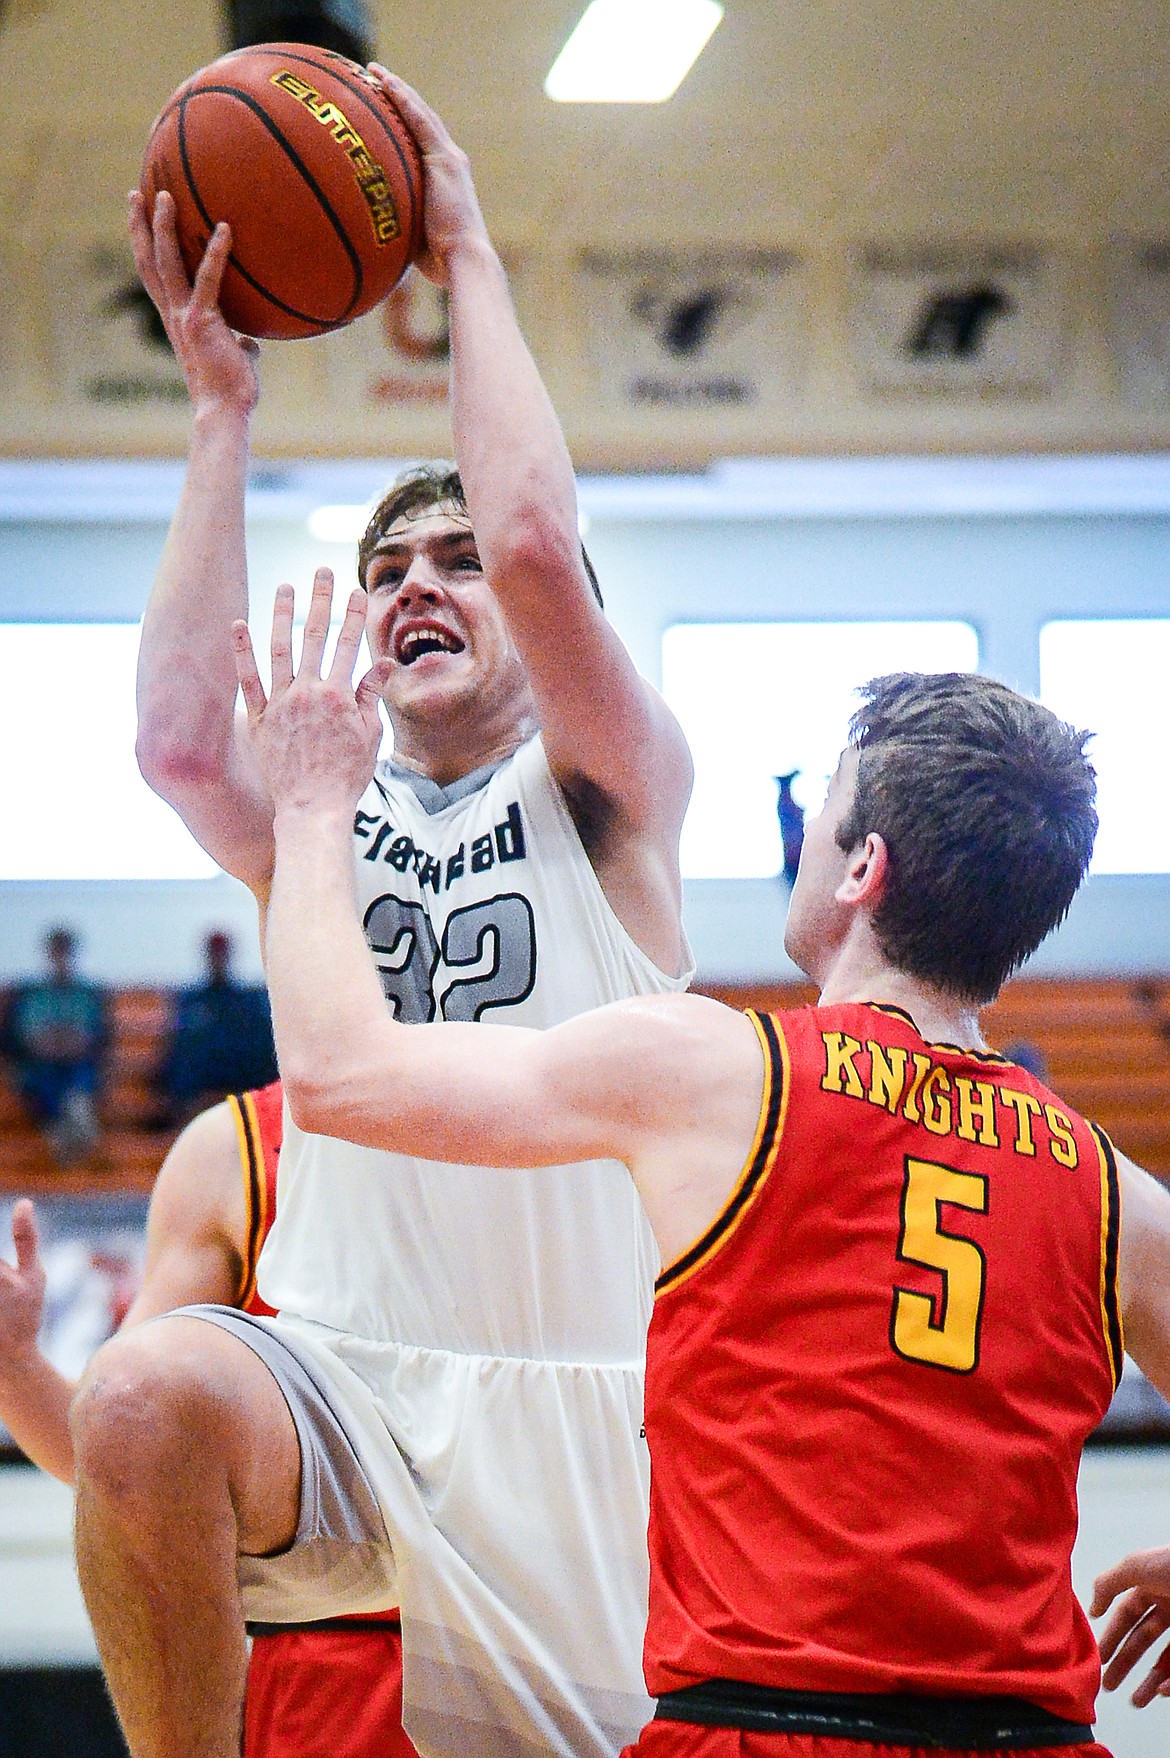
[(338, 524), (631, 51)]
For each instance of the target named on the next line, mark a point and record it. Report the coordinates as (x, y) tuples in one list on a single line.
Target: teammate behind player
[(313, 1693), (891, 1308), (519, 857)]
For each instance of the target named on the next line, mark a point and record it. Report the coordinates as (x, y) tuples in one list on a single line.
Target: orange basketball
[(313, 168)]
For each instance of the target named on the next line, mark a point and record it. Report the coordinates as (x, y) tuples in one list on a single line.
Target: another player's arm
[(670, 1085), (613, 744), (194, 1252), (1142, 1616), (191, 747)]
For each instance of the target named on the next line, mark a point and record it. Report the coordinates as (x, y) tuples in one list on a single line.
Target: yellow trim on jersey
[(255, 1188), (757, 1167), (1111, 1321)]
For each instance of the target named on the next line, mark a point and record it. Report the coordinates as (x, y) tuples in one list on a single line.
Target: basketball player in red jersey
[(330, 1691), (895, 1268)]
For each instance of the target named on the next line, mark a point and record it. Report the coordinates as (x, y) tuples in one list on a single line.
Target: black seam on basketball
[(412, 171), (251, 103)]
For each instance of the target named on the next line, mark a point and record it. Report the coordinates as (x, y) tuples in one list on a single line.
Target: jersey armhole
[(1111, 1324), (760, 1161), (243, 1109)]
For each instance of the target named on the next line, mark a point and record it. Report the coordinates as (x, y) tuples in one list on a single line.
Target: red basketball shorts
[(326, 1694), (680, 1739)]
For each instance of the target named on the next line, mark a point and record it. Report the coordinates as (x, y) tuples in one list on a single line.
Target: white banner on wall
[(721, 329), (397, 357), (1139, 302), (110, 350), (959, 320)]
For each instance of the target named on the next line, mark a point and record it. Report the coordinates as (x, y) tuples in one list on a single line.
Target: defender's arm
[(194, 1252)]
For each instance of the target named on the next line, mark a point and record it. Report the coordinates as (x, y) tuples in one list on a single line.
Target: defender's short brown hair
[(426, 485), (986, 803)]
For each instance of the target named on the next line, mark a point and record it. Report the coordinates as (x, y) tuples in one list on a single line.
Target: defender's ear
[(866, 874)]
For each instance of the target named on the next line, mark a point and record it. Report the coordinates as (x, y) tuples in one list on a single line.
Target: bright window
[(1110, 676), (758, 700), (75, 805)]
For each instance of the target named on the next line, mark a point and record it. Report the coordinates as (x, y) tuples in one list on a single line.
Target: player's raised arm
[(1141, 1617), (610, 738), (189, 747), (669, 1084)]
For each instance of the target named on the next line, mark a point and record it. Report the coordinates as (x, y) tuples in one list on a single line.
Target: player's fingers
[(424, 123), (1141, 1638), (317, 622), (1122, 1619), (213, 262), (168, 258), (369, 690), (141, 238), (24, 1235), (1142, 1568), (251, 689), (281, 650), (1156, 1682), (349, 637)]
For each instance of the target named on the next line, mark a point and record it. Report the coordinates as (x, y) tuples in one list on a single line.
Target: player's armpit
[(197, 1221), (1144, 1272)]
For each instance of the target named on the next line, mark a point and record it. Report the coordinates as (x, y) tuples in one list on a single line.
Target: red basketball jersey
[(334, 1691), (869, 1382)]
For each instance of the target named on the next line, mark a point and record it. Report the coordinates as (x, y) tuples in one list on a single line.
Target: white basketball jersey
[(482, 907)]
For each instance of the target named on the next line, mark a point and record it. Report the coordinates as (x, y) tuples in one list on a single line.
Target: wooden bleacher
[(1106, 1043), (130, 1152)]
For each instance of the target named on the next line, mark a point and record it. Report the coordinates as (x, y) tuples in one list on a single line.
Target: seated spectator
[(1152, 1000), (222, 1038), (1027, 1055), (56, 1032), (791, 817)]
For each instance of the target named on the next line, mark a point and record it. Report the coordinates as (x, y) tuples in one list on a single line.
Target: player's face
[(817, 922), (431, 610)]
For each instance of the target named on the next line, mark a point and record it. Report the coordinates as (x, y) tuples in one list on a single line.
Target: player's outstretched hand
[(22, 1287), (451, 212), (220, 367), (315, 736), (1137, 1622)]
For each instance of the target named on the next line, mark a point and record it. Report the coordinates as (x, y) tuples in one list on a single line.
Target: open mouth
[(419, 639)]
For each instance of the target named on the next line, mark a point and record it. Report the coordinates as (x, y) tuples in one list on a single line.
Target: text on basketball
[(371, 178)]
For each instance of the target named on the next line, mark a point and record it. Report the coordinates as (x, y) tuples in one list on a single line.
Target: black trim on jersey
[(1112, 1232), (343, 1626), (955, 1724), (958, 1049), (256, 1192), (751, 1178)]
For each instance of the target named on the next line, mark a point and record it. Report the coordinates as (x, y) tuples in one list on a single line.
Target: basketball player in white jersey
[(446, 1413)]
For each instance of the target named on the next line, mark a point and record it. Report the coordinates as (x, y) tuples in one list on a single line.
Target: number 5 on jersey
[(941, 1330)]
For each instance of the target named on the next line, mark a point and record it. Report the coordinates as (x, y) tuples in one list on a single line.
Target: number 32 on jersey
[(487, 957), (940, 1330)]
